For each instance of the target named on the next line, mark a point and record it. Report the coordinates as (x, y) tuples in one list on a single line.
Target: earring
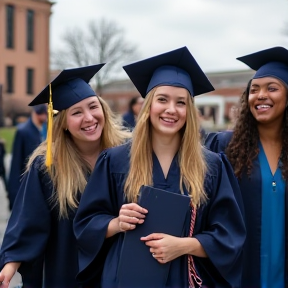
[(66, 129)]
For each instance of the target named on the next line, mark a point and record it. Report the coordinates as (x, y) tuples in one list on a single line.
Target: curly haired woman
[(258, 152)]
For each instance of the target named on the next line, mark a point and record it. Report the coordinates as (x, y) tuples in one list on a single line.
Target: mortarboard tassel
[(193, 277), (49, 159)]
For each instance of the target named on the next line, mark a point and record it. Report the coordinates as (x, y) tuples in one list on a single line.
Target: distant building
[(118, 94), (24, 67), (229, 86), (24, 53)]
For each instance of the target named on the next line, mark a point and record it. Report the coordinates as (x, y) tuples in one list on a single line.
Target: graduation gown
[(27, 139), (219, 224), (34, 231), (252, 207), (129, 120), (2, 165)]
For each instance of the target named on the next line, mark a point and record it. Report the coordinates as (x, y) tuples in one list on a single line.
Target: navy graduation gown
[(218, 141), (219, 224), (34, 231), (129, 120), (27, 139), (252, 207), (2, 166)]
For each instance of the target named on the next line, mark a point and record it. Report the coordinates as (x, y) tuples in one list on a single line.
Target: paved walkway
[(4, 208)]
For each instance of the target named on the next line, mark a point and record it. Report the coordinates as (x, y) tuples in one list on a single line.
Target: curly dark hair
[(243, 147)]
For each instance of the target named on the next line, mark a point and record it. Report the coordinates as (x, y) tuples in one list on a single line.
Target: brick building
[(24, 67), (24, 53)]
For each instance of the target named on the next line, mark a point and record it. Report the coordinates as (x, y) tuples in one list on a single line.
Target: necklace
[(274, 185)]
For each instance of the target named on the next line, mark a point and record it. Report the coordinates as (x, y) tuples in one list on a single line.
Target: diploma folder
[(166, 214)]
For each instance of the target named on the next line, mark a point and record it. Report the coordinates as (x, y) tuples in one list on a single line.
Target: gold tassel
[(49, 158)]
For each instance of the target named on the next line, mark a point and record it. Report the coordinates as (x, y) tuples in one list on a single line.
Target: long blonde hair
[(190, 156), (69, 170)]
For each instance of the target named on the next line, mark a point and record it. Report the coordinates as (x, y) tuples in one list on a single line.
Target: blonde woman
[(41, 222), (166, 153)]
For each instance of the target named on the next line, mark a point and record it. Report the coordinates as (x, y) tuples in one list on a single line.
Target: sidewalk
[(4, 208)]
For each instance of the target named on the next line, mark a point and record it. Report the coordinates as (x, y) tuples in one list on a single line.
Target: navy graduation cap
[(175, 68), (40, 109), (272, 62), (69, 87)]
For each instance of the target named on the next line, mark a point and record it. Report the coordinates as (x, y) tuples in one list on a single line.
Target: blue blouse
[(273, 225)]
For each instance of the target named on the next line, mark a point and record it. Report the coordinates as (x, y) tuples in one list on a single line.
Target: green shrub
[(7, 136)]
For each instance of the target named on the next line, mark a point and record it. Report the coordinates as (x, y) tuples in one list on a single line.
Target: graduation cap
[(68, 88), (175, 68), (40, 109), (272, 62)]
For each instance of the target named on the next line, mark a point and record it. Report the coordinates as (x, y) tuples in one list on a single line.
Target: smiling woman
[(168, 109), (267, 100), (258, 152), (165, 153), (85, 122), (39, 237)]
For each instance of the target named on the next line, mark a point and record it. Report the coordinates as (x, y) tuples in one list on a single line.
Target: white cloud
[(215, 31)]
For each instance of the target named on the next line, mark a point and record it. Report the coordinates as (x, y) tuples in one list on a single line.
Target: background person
[(130, 117), (27, 138), (232, 116), (202, 130)]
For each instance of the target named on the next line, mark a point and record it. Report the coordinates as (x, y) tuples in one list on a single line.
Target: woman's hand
[(164, 248), (7, 273), (129, 215)]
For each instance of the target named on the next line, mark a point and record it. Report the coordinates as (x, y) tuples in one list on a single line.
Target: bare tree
[(102, 42)]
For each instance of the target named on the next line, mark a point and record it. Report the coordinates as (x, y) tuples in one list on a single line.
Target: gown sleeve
[(222, 229), (218, 141), (28, 228), (234, 183), (98, 206)]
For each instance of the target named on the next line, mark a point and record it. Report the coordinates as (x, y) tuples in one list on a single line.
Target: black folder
[(166, 214)]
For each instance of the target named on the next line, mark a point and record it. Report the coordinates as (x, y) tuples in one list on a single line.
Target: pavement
[(4, 204)]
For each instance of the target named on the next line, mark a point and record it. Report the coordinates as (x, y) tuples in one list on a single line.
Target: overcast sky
[(215, 31)]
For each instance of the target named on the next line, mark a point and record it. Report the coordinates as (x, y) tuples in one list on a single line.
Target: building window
[(30, 80), (30, 30), (10, 26), (10, 79)]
